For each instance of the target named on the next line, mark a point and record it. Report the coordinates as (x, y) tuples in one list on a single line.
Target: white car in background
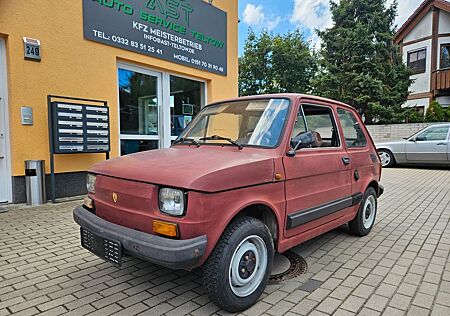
[(430, 146)]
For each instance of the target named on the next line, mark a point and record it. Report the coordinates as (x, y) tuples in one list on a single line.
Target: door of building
[(139, 109), (155, 107), (4, 168)]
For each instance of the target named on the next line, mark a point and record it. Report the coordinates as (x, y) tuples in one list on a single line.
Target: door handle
[(442, 144), (346, 160)]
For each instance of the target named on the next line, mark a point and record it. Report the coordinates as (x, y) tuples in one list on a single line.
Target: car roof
[(297, 96)]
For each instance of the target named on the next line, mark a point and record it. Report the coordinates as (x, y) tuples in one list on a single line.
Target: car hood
[(206, 169)]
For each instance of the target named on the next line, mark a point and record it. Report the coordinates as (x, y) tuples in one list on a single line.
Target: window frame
[(415, 70), (335, 125), (164, 136), (364, 131)]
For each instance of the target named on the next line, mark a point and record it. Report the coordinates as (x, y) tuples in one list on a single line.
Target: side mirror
[(303, 140)]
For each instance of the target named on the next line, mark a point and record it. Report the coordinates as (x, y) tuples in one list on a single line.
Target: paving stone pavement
[(402, 267)]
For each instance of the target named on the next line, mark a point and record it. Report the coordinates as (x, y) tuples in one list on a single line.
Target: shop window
[(186, 100), (129, 146), (138, 103), (417, 61), (445, 56)]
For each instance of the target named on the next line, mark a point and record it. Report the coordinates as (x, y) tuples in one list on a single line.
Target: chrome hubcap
[(385, 158), (248, 266), (369, 211)]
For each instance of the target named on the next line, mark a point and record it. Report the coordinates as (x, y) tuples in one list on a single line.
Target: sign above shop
[(187, 32), (32, 49)]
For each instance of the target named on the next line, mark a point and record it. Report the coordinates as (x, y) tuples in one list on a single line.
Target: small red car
[(247, 178)]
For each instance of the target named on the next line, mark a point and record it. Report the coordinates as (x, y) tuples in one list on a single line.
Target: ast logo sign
[(188, 32)]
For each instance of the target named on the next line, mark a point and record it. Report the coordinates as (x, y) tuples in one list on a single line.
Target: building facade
[(425, 43), (154, 63)]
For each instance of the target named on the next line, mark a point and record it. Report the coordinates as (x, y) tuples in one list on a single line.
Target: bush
[(435, 113), (413, 116), (447, 114)]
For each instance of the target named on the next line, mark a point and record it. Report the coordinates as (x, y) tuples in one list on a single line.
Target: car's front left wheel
[(238, 269)]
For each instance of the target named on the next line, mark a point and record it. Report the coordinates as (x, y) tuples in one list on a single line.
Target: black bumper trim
[(170, 253)]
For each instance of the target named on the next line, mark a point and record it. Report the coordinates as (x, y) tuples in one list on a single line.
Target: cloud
[(254, 16), (312, 14)]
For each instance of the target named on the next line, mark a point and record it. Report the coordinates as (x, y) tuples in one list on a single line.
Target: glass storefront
[(185, 102), (144, 111)]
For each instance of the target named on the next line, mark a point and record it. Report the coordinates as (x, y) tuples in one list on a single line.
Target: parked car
[(247, 178), (429, 146)]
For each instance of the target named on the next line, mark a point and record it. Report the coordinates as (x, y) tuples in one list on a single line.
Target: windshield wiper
[(217, 137), (186, 140)]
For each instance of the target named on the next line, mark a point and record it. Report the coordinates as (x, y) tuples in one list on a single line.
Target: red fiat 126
[(247, 178)]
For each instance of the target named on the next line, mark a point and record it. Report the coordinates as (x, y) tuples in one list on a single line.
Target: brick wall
[(385, 133)]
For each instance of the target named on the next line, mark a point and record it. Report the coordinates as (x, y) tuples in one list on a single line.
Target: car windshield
[(242, 123)]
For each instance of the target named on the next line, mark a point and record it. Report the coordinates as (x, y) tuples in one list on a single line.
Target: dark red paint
[(221, 181)]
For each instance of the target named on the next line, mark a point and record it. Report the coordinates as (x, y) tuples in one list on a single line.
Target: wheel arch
[(265, 213), (375, 185)]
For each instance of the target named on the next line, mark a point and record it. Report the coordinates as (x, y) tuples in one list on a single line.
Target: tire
[(364, 220), (387, 158), (244, 238)]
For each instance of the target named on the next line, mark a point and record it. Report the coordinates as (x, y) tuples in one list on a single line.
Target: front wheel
[(238, 269), (387, 158), (364, 220)]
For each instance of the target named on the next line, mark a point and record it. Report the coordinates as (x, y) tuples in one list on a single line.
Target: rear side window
[(353, 133)]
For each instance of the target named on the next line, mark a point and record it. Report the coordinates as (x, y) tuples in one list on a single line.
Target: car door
[(318, 182), (365, 166), (429, 146)]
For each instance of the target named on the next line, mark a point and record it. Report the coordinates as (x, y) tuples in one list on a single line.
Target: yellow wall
[(73, 66)]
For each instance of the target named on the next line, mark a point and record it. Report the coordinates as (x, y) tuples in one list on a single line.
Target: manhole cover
[(287, 266)]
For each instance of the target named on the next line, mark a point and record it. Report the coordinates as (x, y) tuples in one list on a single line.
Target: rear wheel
[(386, 157), (238, 269), (364, 220)]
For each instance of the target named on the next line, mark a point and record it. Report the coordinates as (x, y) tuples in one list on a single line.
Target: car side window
[(438, 133), (353, 133), (320, 121)]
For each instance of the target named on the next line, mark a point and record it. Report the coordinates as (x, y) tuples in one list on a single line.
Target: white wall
[(416, 103), (422, 29), (444, 100), (444, 22), (421, 81)]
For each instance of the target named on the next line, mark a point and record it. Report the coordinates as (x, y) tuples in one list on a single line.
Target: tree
[(275, 63), (435, 112), (359, 63)]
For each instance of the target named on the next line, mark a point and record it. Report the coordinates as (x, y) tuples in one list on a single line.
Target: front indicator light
[(88, 202), (90, 185), (166, 229)]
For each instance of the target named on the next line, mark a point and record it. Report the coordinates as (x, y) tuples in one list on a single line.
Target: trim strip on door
[(311, 214)]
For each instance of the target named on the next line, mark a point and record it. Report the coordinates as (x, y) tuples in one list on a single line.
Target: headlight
[(91, 183), (171, 201)]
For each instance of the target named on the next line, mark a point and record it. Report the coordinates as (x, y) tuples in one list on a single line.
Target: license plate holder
[(108, 249)]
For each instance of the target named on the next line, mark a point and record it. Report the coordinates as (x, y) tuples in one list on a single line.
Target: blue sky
[(281, 16)]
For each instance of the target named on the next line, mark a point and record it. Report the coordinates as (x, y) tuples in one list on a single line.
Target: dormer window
[(417, 61), (445, 56)]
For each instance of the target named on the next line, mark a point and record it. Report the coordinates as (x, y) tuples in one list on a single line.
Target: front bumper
[(170, 253)]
